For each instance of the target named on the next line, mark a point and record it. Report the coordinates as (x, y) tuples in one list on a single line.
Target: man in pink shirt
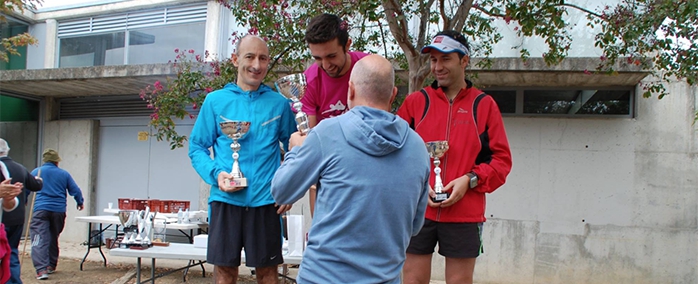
[(328, 78)]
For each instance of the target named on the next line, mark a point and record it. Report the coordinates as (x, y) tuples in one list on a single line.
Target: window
[(94, 50), (134, 38), (571, 102)]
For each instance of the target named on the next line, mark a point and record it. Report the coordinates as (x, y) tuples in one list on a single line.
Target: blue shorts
[(456, 240)]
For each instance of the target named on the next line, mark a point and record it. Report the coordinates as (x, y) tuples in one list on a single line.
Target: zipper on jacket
[(248, 197)]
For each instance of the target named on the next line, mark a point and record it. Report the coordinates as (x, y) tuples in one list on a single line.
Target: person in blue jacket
[(243, 216), (373, 174), (48, 219)]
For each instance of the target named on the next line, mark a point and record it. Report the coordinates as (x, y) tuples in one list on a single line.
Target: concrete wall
[(21, 136), (75, 141), (597, 200)]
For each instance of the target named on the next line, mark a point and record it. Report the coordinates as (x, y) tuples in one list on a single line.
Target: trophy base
[(236, 182), (135, 246), (440, 197)]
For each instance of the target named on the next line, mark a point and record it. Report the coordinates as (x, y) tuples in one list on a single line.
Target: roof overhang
[(130, 79)]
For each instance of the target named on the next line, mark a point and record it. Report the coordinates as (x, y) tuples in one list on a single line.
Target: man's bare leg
[(459, 270), (417, 269), (225, 274), (267, 275)]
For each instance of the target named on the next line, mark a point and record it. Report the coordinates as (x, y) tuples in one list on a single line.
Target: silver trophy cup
[(293, 87), (128, 222), (235, 130), (436, 150)]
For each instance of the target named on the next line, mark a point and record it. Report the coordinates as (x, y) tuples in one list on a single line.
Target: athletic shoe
[(42, 275), (50, 269)]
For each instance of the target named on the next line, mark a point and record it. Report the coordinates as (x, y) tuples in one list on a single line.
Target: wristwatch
[(473, 179)]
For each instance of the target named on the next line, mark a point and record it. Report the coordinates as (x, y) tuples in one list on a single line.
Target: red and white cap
[(446, 44)]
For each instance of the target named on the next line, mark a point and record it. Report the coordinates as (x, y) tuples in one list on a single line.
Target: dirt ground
[(94, 272)]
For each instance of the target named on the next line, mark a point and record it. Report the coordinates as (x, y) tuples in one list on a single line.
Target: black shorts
[(457, 240), (257, 229)]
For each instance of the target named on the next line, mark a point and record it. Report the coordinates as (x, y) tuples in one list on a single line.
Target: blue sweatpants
[(45, 228)]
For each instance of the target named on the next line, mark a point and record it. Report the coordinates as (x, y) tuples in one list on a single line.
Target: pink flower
[(191, 116), (157, 85), (193, 105), (208, 90), (191, 51), (587, 72), (176, 50), (154, 116), (150, 106)]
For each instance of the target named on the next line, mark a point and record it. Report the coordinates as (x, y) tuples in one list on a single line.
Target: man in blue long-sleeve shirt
[(48, 219)]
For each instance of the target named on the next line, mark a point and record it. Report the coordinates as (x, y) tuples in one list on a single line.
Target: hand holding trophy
[(436, 150), (235, 130), (293, 87)]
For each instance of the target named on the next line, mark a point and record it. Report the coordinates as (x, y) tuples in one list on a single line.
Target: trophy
[(235, 130), (293, 87), (436, 150), (148, 227), (127, 219)]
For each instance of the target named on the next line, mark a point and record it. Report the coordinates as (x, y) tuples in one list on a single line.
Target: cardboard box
[(201, 241)]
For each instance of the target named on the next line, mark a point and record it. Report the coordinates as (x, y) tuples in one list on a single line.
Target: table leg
[(99, 244), (138, 271), (89, 232), (152, 270)]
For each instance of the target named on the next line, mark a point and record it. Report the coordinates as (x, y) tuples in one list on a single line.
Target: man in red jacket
[(477, 162)]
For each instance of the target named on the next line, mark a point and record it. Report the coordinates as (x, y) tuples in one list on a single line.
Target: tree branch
[(424, 10), (487, 12), (444, 17), (581, 9), (398, 25), (461, 15), (278, 57)]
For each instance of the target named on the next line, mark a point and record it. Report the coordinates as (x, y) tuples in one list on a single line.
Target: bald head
[(249, 37), (373, 82)]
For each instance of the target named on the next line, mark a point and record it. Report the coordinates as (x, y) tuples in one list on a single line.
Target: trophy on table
[(235, 130), (148, 227), (128, 220), (293, 87), (436, 150)]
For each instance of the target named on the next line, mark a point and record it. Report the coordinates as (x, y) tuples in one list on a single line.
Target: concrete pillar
[(50, 43), (213, 29), (76, 142)]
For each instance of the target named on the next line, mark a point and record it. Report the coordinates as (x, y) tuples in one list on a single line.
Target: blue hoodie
[(373, 174), (58, 183), (272, 121)]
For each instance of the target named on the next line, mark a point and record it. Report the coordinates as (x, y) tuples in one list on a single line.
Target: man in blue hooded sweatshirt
[(373, 174), (243, 216)]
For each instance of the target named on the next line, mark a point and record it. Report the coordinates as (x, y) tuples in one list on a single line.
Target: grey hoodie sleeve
[(300, 170)]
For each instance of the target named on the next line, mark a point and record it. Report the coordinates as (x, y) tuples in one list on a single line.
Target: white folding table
[(177, 251)]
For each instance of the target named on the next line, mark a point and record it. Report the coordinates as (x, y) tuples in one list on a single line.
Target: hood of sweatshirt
[(379, 132)]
